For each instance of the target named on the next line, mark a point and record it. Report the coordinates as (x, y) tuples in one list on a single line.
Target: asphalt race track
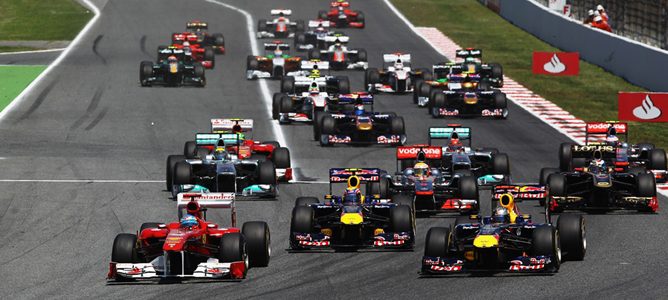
[(90, 119)]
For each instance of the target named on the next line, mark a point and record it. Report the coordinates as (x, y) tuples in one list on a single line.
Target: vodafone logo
[(554, 66), (601, 127), (647, 110), (415, 151)]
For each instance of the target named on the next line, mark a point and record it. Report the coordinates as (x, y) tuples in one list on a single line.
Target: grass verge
[(591, 96), (13, 79), (41, 19)]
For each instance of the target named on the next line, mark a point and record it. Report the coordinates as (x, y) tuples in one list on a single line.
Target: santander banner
[(556, 63), (643, 107)]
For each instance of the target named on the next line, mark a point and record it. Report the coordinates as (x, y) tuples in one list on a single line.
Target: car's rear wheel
[(657, 159), (171, 162), (404, 199), (343, 84), (397, 125), (556, 185), (281, 157), (276, 105), (288, 85), (381, 188), (565, 157), (182, 173), (145, 71)]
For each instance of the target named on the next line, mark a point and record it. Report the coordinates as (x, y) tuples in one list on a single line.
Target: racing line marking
[(546, 111), (23, 95)]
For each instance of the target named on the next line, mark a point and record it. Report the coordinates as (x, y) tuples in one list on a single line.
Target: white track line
[(80, 181), (33, 51), (23, 95)]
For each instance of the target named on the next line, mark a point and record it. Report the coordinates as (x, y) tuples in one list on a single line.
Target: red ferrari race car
[(192, 248), (204, 38), (188, 42), (341, 16)]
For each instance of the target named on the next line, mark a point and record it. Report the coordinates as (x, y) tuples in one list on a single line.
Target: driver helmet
[(352, 195), (501, 215), (314, 89), (171, 58), (189, 221), (359, 109), (236, 128), (611, 139), (468, 85), (186, 44), (219, 153), (598, 163), (454, 141), (278, 51), (398, 64), (421, 169)]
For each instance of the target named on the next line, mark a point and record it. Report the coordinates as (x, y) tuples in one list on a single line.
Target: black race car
[(469, 101), (173, 68)]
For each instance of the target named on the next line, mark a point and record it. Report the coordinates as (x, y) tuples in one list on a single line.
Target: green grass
[(41, 19), (13, 79), (591, 96), (16, 49)]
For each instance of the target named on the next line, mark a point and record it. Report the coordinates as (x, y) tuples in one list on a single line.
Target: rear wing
[(390, 58), (445, 133), (314, 65), (356, 97), (197, 25), (169, 51), (281, 12), (214, 139), (519, 192), (336, 38), (606, 128), (464, 53), (412, 152), (229, 125), (206, 201), (319, 23), (339, 4), (337, 175), (608, 152), (276, 46)]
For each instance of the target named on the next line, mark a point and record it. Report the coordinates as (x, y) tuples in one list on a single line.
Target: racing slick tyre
[(233, 248), (546, 242), (501, 164), (322, 15), (401, 218), (542, 180), (219, 39), (124, 249), (267, 173), (416, 91), (571, 230), (497, 70), (468, 187), (276, 105), (556, 185), (343, 84), (300, 39), (646, 185), (251, 63), (302, 219), (371, 76), (403, 199), (306, 201), (317, 124), (360, 18), (361, 55), (183, 173), (657, 159), (262, 25), (423, 89), (281, 157), (190, 149), (565, 157), (288, 85), (484, 86), (500, 100), (397, 126), (258, 243), (438, 101), (300, 26), (286, 104), (437, 242), (426, 74), (172, 160), (145, 71), (314, 54), (381, 188), (210, 54), (328, 125)]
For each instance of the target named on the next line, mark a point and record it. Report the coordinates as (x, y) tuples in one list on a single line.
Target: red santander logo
[(643, 107), (556, 63)]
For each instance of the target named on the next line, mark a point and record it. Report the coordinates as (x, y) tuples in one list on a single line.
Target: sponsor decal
[(556, 63), (602, 127), (592, 148), (447, 113), (339, 140), (492, 113), (643, 107), (390, 139), (408, 152)]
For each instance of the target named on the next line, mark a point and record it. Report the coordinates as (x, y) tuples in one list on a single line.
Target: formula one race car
[(491, 73), (455, 80), (204, 38), (599, 184), (506, 241), (488, 165), (397, 75), (470, 100), (341, 16), (360, 126), (173, 68), (353, 220), (279, 27), (427, 187), (318, 37), (205, 56), (640, 158), (192, 248), (340, 57), (229, 161), (309, 77), (274, 64)]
